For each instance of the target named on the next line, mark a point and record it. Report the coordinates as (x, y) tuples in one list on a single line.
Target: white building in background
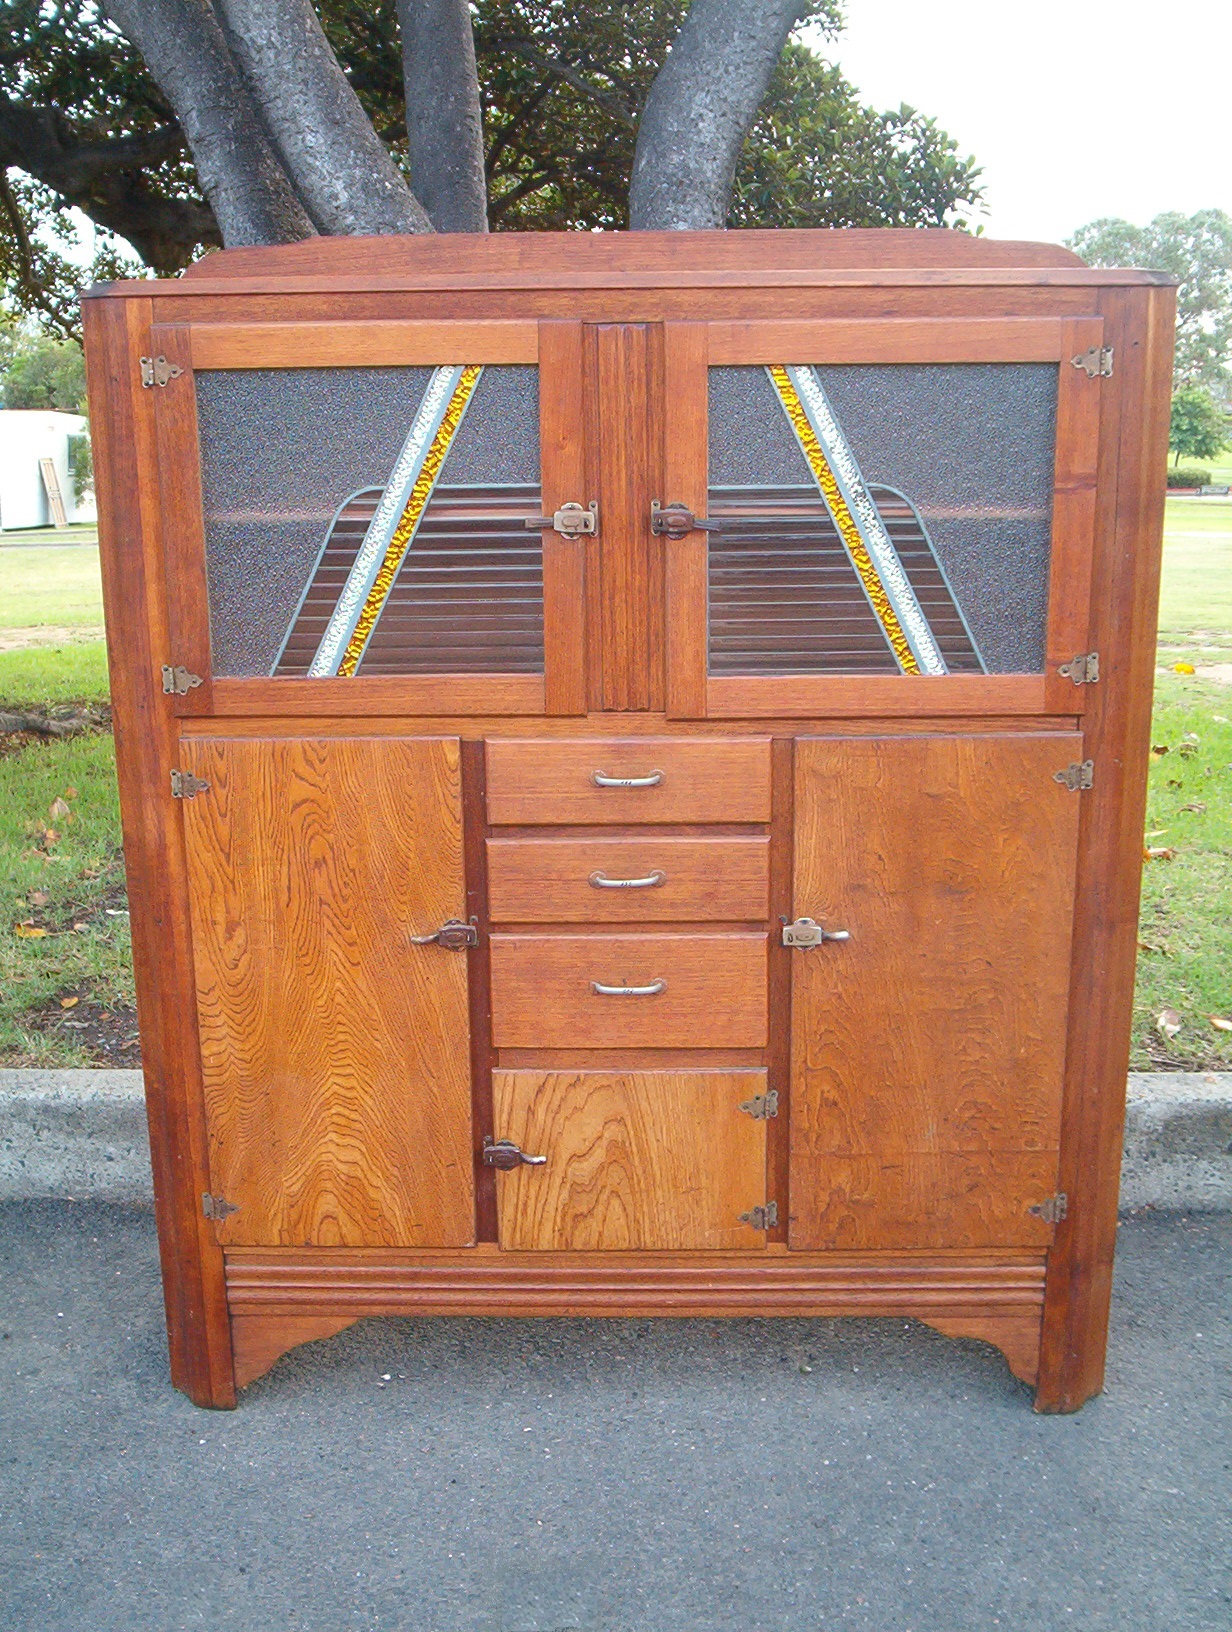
[(35, 469)]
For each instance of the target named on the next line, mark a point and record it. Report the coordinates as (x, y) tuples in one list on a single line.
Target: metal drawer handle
[(651, 880), (651, 781), (653, 990)]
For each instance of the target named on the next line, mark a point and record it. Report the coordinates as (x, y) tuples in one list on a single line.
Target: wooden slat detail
[(890, 340), (360, 345), (640, 1161), (134, 600), (877, 696), (709, 780), (547, 880), (714, 994), (569, 477), (685, 477), (182, 518), (405, 695), (335, 1054), (930, 1047)]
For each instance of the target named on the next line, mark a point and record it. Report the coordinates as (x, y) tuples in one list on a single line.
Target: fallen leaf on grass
[(1163, 852), (39, 898), (1158, 750), (1219, 1023), (1189, 745), (1173, 783), (1154, 946), (1169, 1023), (81, 928), (1220, 719), (1183, 668), (1198, 807), (59, 811), (28, 932), (70, 793), (69, 1002), (1156, 832)]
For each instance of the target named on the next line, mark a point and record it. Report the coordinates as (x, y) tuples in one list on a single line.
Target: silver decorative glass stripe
[(372, 551), (864, 513)]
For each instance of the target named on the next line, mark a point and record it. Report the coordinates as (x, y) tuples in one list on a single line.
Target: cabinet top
[(513, 260)]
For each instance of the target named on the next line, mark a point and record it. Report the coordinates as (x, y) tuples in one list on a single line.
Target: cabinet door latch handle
[(571, 520), (806, 932), (503, 1153), (651, 780), (453, 934), (678, 521), (650, 882), (653, 990)]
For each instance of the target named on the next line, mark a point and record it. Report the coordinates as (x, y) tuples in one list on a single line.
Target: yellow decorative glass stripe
[(844, 521), (408, 522)]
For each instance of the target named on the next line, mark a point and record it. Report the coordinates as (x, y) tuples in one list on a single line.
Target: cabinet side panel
[(134, 600)]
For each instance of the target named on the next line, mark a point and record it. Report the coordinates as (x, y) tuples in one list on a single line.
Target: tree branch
[(700, 108), (339, 165), (573, 77), (184, 48), (444, 122)]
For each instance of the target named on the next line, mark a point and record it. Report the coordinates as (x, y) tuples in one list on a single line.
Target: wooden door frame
[(691, 349), (554, 347)]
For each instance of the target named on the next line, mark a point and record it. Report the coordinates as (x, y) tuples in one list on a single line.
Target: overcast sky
[(1075, 108)]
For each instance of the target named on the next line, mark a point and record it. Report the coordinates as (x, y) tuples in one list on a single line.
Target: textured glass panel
[(293, 462), (959, 461)]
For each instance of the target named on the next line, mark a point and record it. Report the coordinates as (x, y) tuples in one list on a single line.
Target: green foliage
[(562, 89), (46, 676), (81, 464), (1197, 250), (1199, 426), (45, 373), (1188, 476)]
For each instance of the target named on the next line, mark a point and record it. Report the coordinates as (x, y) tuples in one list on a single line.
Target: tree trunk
[(340, 167), (183, 47), (443, 117), (700, 108)]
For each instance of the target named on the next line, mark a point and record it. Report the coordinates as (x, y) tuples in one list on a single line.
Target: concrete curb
[(82, 1134)]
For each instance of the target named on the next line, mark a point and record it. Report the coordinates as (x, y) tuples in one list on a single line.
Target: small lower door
[(632, 1161), (335, 1052), (928, 1049)]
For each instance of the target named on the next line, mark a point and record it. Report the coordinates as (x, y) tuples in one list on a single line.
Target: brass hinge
[(157, 370), (1083, 671), (1052, 1209), (1095, 362), (762, 1106), (217, 1207), (762, 1218), (184, 785), (177, 681), (1076, 777)]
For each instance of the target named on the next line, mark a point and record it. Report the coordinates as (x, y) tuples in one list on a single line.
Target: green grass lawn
[(67, 883)]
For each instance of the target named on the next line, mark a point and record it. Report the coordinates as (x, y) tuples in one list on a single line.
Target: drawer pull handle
[(651, 781), (653, 990), (650, 882)]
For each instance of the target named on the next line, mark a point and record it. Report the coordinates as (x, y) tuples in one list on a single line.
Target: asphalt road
[(631, 1476)]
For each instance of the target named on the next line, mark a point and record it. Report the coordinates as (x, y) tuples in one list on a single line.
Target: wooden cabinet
[(632, 765)]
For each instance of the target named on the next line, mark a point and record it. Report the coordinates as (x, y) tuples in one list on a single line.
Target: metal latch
[(1095, 362), (1076, 777), (503, 1153), (184, 785), (217, 1207), (1083, 671), (571, 519), (762, 1218), (762, 1106), (806, 932), (157, 370), (178, 682), (453, 934), (677, 521), (1052, 1209)]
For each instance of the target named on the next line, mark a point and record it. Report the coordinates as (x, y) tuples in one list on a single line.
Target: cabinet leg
[(259, 1340), (1016, 1335)]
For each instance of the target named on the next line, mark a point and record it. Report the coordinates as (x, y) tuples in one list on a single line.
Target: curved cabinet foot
[(257, 1341), (1017, 1336)]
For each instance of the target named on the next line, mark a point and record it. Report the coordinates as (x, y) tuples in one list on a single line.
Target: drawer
[(666, 780), (638, 1161), (710, 991), (545, 881)]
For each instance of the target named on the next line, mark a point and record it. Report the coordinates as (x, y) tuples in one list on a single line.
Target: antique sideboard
[(632, 751)]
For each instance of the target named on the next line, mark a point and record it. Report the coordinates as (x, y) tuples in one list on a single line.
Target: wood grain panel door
[(635, 1161), (928, 1049), (334, 1051)]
